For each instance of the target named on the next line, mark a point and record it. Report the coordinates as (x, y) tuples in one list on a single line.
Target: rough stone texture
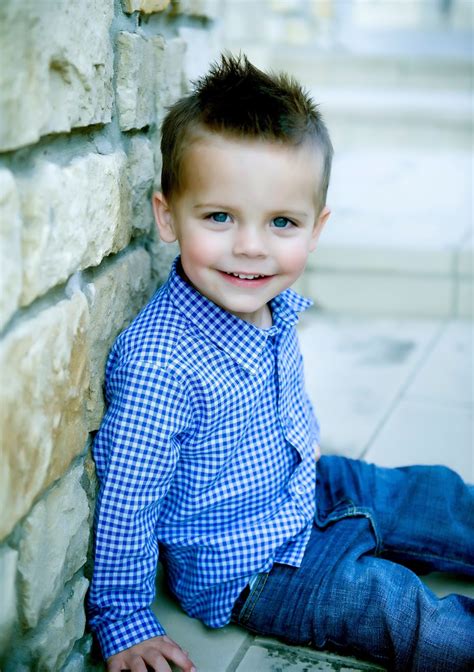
[(10, 247), (54, 546), (144, 6), (173, 83), (60, 77), (75, 663), (50, 647), (89, 483), (141, 173), (117, 293), (45, 365), (139, 65), (73, 217), (8, 610)]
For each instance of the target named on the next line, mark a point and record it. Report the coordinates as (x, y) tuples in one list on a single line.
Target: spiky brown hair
[(238, 100)]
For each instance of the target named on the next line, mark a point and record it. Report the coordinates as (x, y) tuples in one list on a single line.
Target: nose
[(249, 241)]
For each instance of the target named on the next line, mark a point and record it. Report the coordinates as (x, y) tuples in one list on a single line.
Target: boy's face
[(247, 208)]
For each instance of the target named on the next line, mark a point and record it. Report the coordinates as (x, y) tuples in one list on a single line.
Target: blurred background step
[(399, 241), (402, 117), (370, 62)]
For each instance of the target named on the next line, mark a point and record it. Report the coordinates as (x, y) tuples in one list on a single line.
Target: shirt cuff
[(116, 636)]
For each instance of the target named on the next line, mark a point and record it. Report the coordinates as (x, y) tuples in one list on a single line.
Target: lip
[(240, 282)]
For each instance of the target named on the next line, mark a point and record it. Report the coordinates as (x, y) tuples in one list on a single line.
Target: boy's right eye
[(220, 217)]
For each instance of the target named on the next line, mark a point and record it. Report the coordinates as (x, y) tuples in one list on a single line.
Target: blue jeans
[(356, 590)]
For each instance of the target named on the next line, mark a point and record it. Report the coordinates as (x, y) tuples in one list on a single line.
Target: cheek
[(294, 257), (200, 250)]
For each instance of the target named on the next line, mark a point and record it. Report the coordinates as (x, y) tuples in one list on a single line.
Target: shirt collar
[(241, 340)]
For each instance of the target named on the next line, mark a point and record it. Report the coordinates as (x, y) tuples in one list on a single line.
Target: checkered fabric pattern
[(206, 454)]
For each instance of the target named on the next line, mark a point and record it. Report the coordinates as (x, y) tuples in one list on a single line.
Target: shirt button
[(300, 489)]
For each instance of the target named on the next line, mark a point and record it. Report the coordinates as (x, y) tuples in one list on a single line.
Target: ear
[(318, 227), (163, 218)]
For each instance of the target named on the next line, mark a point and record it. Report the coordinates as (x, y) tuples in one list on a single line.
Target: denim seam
[(252, 599), (355, 512)]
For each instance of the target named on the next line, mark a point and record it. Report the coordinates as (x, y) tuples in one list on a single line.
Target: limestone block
[(89, 483), (145, 6), (53, 546), (73, 216), (172, 82), (57, 66), (8, 610), (75, 663), (44, 364), (118, 292), (51, 646), (141, 173), (10, 247), (139, 64)]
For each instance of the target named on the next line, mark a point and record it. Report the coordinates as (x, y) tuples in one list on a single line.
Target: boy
[(209, 444)]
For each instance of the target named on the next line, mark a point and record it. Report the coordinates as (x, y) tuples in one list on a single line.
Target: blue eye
[(220, 217), (281, 222)]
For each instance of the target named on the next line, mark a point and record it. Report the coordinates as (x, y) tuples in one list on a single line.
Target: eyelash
[(213, 214)]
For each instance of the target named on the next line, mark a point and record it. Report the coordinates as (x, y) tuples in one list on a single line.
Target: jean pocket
[(345, 508)]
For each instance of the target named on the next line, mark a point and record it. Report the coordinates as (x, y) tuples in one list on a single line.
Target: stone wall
[(83, 87)]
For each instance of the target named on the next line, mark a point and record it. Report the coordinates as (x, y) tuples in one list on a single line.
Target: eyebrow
[(212, 206)]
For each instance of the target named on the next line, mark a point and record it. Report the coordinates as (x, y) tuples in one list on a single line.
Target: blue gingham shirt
[(206, 453)]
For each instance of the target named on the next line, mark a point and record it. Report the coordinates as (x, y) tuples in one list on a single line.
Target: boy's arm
[(136, 453)]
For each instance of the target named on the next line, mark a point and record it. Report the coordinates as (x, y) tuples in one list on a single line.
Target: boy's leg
[(345, 598), (345, 595), (422, 516)]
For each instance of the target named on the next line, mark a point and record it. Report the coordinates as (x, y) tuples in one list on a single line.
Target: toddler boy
[(209, 446)]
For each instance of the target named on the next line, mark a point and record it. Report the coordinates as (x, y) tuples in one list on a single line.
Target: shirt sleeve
[(136, 451)]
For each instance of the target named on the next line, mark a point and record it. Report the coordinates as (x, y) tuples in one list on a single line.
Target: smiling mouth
[(242, 279), (246, 276)]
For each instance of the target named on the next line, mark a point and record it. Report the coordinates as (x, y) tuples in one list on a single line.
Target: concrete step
[(389, 59), (361, 117), (399, 241)]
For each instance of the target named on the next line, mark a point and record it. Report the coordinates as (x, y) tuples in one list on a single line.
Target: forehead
[(219, 166)]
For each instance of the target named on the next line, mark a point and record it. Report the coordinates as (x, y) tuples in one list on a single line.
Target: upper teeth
[(246, 277)]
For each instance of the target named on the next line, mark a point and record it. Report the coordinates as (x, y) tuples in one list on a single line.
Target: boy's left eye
[(220, 217), (282, 223)]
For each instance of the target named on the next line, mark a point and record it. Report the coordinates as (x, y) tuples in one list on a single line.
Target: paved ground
[(392, 391)]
